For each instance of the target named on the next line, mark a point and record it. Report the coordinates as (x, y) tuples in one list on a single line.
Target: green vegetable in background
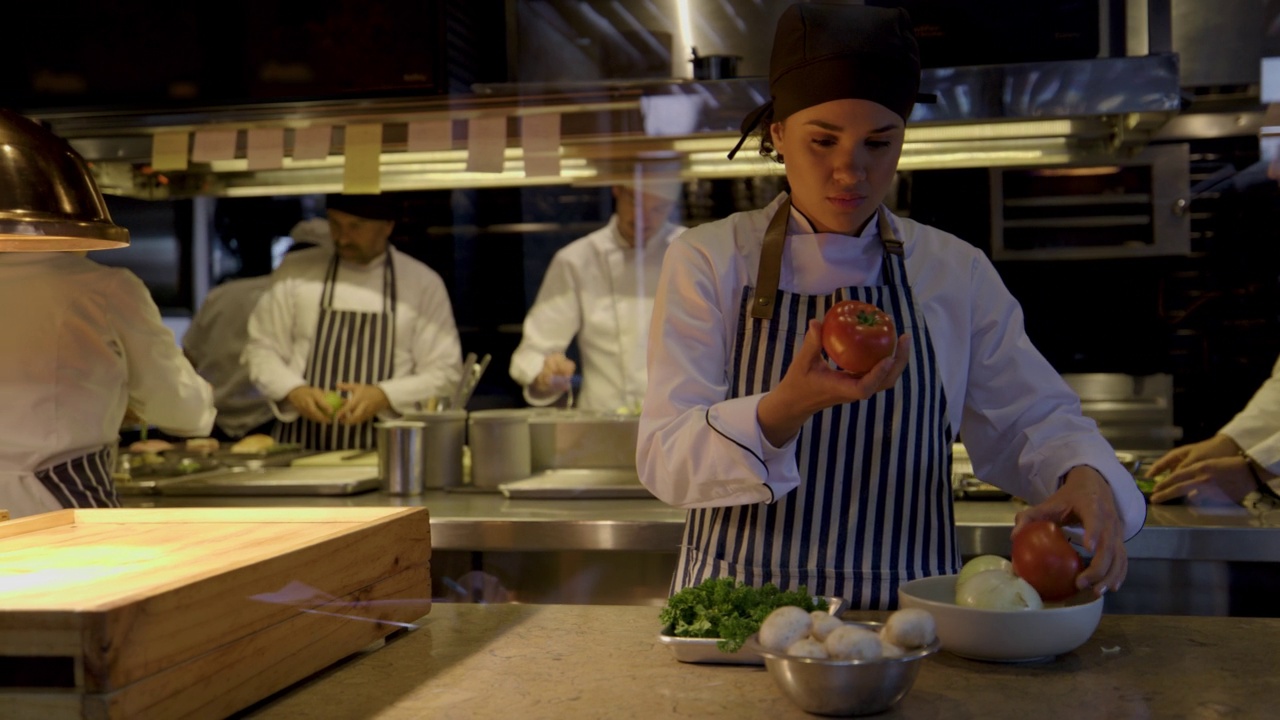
[(721, 608)]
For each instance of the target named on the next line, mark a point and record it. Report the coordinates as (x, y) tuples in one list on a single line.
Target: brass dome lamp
[(48, 199)]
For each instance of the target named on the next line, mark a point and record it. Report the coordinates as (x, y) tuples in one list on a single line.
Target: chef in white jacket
[(365, 320), (796, 473), (218, 334), (82, 343), (600, 289)]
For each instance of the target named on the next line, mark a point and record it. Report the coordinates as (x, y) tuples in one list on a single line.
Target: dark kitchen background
[(1208, 318)]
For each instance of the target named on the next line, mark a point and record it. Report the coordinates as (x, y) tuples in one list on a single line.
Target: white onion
[(998, 590), (982, 563)]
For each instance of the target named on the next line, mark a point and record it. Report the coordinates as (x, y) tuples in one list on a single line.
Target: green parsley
[(721, 608)]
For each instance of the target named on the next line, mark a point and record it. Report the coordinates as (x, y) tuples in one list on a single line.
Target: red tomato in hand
[(857, 335), (1043, 557)]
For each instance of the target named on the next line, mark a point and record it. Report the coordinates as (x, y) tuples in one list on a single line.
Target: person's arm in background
[(436, 349), (539, 364), (1216, 461), (269, 348), (163, 387), (1025, 432)]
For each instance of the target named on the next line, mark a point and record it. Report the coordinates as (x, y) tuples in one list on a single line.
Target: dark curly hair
[(766, 137)]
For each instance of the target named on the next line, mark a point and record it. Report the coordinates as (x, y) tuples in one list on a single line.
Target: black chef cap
[(373, 207), (824, 52)]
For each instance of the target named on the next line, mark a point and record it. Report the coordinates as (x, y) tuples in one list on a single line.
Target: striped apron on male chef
[(82, 482), (349, 347), (874, 506)]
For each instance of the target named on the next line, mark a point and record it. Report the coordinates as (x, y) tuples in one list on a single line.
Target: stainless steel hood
[(1031, 113)]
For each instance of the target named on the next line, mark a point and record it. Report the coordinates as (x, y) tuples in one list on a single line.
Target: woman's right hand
[(1218, 446), (811, 385), (557, 373)]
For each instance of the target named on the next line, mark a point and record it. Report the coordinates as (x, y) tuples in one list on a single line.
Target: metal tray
[(578, 483), (276, 481), (704, 650)]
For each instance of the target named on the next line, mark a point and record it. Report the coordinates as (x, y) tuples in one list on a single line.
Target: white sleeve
[(1021, 421), (436, 351), (695, 448), (163, 387), (195, 340), (1259, 420), (268, 351), (552, 323)]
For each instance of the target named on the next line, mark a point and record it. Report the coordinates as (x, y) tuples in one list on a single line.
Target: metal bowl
[(844, 687)]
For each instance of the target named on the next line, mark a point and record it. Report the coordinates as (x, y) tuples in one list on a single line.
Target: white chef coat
[(1256, 428), (81, 344), (1019, 420), (428, 355), (214, 341), (601, 290)]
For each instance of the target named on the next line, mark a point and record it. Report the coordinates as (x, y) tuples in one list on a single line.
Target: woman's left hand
[(1086, 498)]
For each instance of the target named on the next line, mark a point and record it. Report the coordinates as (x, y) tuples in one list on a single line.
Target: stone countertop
[(479, 521), (574, 661)]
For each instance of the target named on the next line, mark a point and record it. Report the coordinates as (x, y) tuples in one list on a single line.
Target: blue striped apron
[(874, 506), (82, 482), (349, 347)]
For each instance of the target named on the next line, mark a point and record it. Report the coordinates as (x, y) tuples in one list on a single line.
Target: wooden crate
[(196, 612)]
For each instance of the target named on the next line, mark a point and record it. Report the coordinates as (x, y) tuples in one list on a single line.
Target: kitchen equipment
[(583, 439), (499, 441), (456, 399), (580, 483), (704, 650), (844, 687), (1134, 412), (1002, 635), (197, 612), (400, 456), (443, 438), (340, 458), (714, 67), (471, 379), (274, 481)]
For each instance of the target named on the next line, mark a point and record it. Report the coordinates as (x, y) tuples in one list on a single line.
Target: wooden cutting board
[(196, 612), (340, 457)]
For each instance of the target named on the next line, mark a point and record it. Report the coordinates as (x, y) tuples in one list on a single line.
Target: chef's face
[(358, 239), (841, 157), (640, 214)]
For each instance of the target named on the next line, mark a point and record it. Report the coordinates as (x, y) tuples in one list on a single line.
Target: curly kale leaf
[(721, 608)]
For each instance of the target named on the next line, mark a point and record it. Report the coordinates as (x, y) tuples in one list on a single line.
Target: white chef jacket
[(81, 344), (214, 342), (601, 290), (1256, 428), (1019, 420), (427, 360)]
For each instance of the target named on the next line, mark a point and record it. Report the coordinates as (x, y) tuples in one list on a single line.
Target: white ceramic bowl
[(1002, 635)]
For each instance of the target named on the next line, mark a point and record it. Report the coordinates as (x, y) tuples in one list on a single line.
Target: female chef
[(795, 473)]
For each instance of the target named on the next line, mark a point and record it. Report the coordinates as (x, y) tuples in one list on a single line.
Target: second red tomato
[(857, 335), (1043, 557)]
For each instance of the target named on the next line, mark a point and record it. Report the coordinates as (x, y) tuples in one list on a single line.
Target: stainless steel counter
[(473, 521)]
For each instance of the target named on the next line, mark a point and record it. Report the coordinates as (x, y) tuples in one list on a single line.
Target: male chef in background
[(600, 288), (219, 332), (343, 338)]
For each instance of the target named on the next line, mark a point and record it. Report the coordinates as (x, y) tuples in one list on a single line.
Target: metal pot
[(499, 441), (715, 67), (444, 435), (583, 439), (400, 456)]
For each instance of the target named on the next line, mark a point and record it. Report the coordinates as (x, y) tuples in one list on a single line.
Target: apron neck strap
[(775, 239), (388, 284)]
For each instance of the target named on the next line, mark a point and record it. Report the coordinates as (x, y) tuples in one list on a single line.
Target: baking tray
[(578, 483), (704, 650), (276, 481)]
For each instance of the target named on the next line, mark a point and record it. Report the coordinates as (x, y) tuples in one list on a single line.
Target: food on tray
[(255, 443), (150, 446), (721, 608), (201, 445), (788, 632)]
